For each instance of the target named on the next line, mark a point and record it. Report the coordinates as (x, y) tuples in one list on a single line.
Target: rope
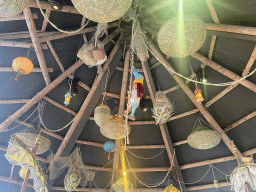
[(105, 89), (146, 157), (40, 114), (204, 83), (68, 32)]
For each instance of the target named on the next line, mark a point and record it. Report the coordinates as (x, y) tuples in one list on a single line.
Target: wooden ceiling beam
[(39, 95), (36, 43), (35, 70), (18, 17), (192, 97), (25, 34), (208, 186), (19, 44), (164, 129), (45, 22)]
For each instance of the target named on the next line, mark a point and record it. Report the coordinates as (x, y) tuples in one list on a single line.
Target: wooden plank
[(18, 17), (37, 46), (164, 129), (192, 97), (35, 70), (39, 95)]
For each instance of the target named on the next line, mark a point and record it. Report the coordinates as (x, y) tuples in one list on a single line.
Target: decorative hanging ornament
[(10, 8), (102, 11), (68, 96), (121, 186), (171, 188), (102, 115), (23, 173), (199, 96), (22, 65), (181, 37), (109, 146), (216, 184)]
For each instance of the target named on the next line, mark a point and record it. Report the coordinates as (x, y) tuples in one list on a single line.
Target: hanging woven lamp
[(22, 65), (102, 11), (178, 40), (102, 115), (171, 188), (163, 109), (119, 185), (10, 8), (29, 136), (204, 138), (115, 128)]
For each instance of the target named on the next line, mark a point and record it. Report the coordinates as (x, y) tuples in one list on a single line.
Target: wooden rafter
[(37, 46), (35, 70), (18, 17), (45, 22), (19, 44), (156, 7)]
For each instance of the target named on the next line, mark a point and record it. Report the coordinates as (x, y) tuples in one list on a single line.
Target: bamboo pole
[(19, 44), (156, 7), (37, 46), (191, 95), (35, 70), (250, 63), (38, 96), (45, 22), (14, 101), (25, 35), (18, 17)]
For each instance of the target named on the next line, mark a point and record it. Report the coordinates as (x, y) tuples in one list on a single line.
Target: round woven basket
[(102, 11), (102, 115), (10, 8), (177, 41), (204, 138), (30, 139), (115, 129)]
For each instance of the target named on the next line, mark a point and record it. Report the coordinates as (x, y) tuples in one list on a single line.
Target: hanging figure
[(137, 93)]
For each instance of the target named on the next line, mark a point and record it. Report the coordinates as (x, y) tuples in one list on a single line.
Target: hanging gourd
[(199, 96), (180, 38), (102, 11), (102, 115), (119, 185), (22, 65), (109, 146), (23, 173), (10, 8), (171, 188), (203, 137), (163, 108), (115, 128)]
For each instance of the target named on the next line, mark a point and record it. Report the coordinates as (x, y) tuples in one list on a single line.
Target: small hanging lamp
[(199, 96), (68, 96), (22, 65)]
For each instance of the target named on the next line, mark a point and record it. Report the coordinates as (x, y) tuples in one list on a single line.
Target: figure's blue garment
[(134, 107), (136, 74)]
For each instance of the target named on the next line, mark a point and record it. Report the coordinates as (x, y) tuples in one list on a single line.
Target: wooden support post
[(36, 43), (121, 113), (191, 95), (17, 17), (45, 22), (39, 95), (163, 128)]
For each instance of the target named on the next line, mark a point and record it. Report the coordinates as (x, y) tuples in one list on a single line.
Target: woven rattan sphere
[(102, 11), (22, 65), (102, 115), (177, 42), (10, 8), (115, 129), (204, 138)]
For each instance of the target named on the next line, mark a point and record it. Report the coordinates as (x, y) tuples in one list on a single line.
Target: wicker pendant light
[(102, 11), (102, 115), (178, 40), (10, 8)]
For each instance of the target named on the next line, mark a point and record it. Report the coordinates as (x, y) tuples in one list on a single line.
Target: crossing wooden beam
[(19, 44), (18, 17), (45, 22), (35, 70)]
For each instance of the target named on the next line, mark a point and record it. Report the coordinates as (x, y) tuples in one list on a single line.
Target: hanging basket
[(115, 128), (102, 11), (30, 139), (163, 109), (10, 8), (204, 138), (119, 185), (178, 40), (102, 115)]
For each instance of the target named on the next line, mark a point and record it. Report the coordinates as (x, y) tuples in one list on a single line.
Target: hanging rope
[(40, 115), (68, 32), (105, 89), (146, 158)]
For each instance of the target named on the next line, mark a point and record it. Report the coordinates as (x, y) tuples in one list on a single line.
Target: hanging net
[(163, 109), (77, 174), (138, 43)]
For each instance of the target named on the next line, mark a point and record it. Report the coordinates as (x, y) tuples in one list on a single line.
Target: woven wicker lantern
[(10, 8), (203, 138), (102, 11), (119, 185), (102, 115), (29, 136), (163, 109), (177, 41), (115, 128)]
